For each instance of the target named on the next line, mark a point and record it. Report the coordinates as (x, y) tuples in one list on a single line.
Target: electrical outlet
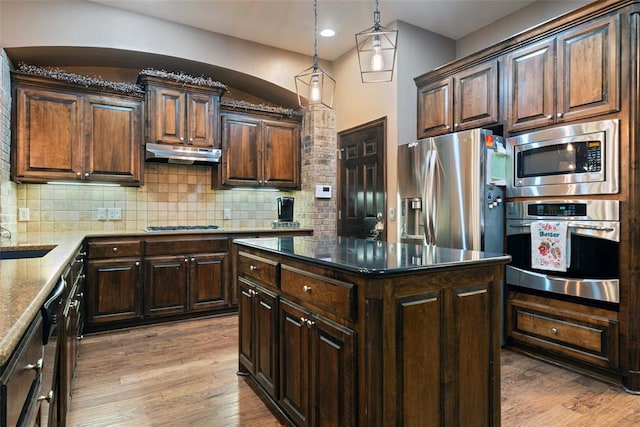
[(23, 214), (226, 213), (114, 213), (102, 214)]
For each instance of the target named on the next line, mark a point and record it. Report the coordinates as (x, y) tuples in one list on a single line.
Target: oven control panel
[(557, 209)]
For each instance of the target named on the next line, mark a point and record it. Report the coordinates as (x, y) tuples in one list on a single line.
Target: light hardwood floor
[(184, 374)]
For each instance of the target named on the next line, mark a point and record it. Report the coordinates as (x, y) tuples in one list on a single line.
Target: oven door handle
[(570, 225)]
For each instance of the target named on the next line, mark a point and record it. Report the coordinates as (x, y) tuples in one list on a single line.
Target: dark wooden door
[(207, 281), (281, 154), (435, 108), (169, 116), (294, 362), (110, 120), (361, 190), (333, 383), (48, 135), (112, 290), (241, 143), (266, 333), (246, 321), (200, 120), (531, 86), (166, 286)]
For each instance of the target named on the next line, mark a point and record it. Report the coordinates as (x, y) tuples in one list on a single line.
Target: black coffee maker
[(285, 209)]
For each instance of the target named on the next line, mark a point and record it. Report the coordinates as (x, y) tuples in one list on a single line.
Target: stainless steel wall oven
[(594, 233)]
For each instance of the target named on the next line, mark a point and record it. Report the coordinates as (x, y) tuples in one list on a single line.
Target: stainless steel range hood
[(182, 154)]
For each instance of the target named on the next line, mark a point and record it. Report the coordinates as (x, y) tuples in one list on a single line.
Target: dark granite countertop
[(371, 257)]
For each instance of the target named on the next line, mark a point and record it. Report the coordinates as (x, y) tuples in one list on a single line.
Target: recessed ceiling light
[(327, 32)]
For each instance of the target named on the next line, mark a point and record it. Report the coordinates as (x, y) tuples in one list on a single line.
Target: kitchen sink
[(20, 252)]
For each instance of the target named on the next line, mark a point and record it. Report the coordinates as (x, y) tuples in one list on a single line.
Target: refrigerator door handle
[(429, 196), (426, 202), (433, 188)]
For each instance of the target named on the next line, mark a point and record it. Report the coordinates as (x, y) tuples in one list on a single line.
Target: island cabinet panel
[(113, 285), (573, 75), (317, 362), (258, 335), (454, 323), (355, 347)]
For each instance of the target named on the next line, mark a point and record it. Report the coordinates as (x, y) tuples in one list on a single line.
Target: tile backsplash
[(171, 195)]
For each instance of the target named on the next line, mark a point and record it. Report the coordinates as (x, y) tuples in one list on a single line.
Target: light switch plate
[(226, 213), (114, 213), (102, 214)]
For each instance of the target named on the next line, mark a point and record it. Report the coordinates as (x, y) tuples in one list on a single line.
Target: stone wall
[(319, 166)]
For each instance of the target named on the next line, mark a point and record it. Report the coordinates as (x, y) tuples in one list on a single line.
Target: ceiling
[(288, 24)]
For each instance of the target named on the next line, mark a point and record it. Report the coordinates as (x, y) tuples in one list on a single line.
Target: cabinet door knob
[(192, 259), (35, 366), (181, 138), (186, 260), (549, 117), (78, 174), (115, 249), (253, 267), (48, 397), (310, 323), (86, 174), (137, 263), (307, 289), (559, 115), (554, 331)]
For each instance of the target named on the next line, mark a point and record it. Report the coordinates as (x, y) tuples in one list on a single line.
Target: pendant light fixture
[(314, 86), (376, 51)]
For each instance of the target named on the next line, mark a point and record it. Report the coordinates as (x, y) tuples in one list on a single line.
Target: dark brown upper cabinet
[(258, 151), (180, 113), (466, 100), (571, 76), (64, 132)]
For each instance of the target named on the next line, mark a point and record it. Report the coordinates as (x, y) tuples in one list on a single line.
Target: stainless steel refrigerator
[(449, 197)]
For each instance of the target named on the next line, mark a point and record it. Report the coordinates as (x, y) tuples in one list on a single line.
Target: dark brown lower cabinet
[(316, 368), (412, 348), (259, 326), (113, 293)]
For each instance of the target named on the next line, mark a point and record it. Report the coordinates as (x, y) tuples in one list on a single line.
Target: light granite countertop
[(26, 283)]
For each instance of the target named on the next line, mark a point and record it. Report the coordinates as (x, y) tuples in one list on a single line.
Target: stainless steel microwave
[(577, 159)]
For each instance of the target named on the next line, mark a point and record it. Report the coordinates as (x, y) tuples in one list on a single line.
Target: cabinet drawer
[(331, 295), (114, 248), (584, 336), (186, 246), (260, 270)]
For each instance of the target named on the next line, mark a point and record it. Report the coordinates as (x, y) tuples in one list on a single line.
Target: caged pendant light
[(377, 48), (314, 86)]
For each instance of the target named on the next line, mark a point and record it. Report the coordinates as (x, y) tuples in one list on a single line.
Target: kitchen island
[(347, 331)]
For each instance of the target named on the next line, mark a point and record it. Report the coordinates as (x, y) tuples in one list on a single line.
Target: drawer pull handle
[(307, 289), (35, 366), (554, 331), (115, 249), (48, 397), (253, 267)]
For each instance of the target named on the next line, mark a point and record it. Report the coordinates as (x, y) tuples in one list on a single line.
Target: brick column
[(319, 166)]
